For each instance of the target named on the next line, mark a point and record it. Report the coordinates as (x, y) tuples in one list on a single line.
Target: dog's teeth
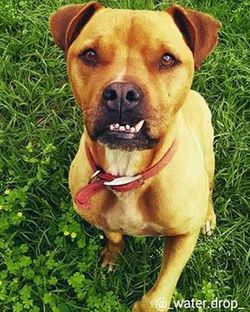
[(139, 125), (128, 128)]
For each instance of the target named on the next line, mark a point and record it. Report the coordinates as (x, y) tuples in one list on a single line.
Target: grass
[(48, 256)]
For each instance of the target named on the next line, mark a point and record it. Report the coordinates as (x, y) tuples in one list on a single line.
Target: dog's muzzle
[(122, 119)]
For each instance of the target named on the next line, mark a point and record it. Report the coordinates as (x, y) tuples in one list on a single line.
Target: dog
[(145, 164)]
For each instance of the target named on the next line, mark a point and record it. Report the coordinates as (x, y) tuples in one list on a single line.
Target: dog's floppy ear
[(199, 30), (66, 23)]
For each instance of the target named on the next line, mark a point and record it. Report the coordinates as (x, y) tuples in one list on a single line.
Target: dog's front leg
[(113, 248), (177, 251)]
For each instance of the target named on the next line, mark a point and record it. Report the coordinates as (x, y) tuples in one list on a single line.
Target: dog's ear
[(66, 23), (199, 30)]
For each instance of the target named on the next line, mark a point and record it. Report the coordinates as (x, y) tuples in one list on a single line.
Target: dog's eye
[(167, 61), (89, 57)]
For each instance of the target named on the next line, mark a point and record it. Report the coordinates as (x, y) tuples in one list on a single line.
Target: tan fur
[(177, 202)]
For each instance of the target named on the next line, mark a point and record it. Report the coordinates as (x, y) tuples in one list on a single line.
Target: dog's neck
[(122, 163)]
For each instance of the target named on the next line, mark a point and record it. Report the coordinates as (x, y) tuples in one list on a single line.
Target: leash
[(101, 180)]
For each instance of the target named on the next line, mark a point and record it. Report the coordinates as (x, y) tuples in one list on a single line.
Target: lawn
[(48, 256)]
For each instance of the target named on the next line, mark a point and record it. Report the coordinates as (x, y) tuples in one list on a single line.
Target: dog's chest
[(125, 215)]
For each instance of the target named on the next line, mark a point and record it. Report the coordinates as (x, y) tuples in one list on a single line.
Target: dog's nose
[(122, 96)]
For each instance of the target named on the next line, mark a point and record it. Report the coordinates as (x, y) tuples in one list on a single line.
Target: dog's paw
[(148, 304), (209, 225), (137, 307), (108, 259), (140, 306)]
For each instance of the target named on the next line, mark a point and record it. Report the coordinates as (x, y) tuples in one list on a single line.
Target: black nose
[(122, 96)]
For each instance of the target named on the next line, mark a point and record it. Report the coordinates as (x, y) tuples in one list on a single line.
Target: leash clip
[(94, 176)]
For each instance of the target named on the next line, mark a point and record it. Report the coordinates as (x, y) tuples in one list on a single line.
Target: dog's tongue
[(120, 128)]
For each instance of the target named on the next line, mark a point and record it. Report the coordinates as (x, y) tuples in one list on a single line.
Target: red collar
[(102, 180)]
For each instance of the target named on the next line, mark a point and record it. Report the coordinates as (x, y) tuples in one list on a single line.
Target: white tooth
[(111, 127), (139, 125), (132, 129), (117, 125), (122, 128), (127, 127)]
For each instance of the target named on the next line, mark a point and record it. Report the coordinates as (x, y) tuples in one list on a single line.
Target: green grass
[(48, 256)]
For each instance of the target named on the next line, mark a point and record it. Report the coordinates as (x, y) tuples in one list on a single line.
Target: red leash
[(102, 180)]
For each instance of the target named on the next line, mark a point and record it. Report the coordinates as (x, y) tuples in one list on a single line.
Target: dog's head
[(130, 71)]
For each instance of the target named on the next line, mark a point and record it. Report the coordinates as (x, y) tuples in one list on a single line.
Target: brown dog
[(148, 137)]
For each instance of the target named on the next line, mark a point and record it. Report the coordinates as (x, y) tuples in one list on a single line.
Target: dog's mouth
[(129, 135), (126, 131)]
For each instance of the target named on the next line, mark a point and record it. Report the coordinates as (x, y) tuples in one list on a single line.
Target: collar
[(101, 180)]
